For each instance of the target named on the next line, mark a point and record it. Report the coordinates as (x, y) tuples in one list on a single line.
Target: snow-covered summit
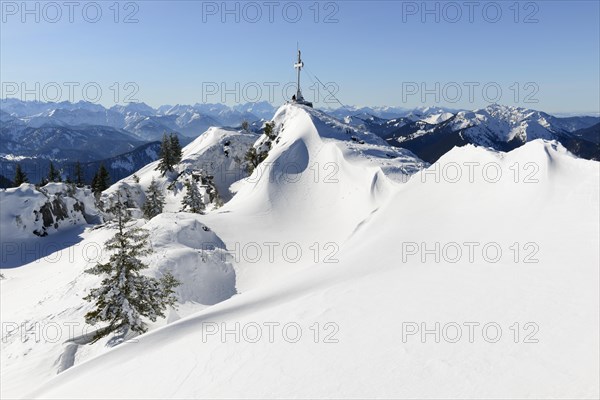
[(506, 123), (318, 165), (318, 233), (377, 286)]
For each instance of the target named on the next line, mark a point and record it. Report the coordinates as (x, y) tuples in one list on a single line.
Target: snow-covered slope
[(499, 127), (218, 152), (27, 211), (364, 303), (261, 109), (319, 169), (438, 118), (329, 237), (46, 292), (501, 123), (42, 306)]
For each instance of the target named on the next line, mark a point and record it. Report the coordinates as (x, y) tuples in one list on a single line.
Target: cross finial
[(299, 66)]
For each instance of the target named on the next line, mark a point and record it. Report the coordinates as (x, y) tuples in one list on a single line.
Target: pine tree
[(20, 176), (170, 153), (245, 125), (269, 130), (101, 180), (78, 175), (164, 164), (253, 158), (95, 183), (175, 148), (53, 174), (125, 296), (155, 201), (192, 201)]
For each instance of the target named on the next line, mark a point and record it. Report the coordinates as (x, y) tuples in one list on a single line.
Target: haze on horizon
[(539, 55)]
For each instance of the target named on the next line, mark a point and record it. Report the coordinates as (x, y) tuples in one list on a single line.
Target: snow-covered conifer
[(192, 201), (155, 201), (125, 296)]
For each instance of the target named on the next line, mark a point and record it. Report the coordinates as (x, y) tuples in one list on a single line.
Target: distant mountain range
[(431, 133), (139, 119), (124, 137), (118, 166), (33, 133)]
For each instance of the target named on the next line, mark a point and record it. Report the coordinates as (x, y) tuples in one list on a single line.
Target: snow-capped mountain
[(138, 118), (499, 127), (502, 123), (79, 116), (306, 139), (68, 131), (151, 127), (142, 109), (84, 143), (261, 109), (385, 120), (388, 112), (218, 153), (380, 126), (348, 205), (191, 121), (199, 117), (22, 108)]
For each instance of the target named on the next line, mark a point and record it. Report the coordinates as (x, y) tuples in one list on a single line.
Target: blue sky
[(543, 55)]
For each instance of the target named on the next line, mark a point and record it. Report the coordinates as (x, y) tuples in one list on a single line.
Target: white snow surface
[(42, 307), (19, 208), (218, 151), (438, 118), (504, 123), (320, 189)]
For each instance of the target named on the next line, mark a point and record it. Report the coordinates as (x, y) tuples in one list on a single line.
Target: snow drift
[(377, 288), (26, 211), (481, 240)]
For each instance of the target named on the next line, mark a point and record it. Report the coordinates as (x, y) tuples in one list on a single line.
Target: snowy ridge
[(366, 202), (501, 123), (372, 284), (499, 127), (181, 245), (26, 211), (319, 168), (218, 152)]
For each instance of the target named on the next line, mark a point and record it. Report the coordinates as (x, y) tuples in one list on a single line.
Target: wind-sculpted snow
[(181, 244), (385, 248), (27, 211), (218, 153), (42, 307), (377, 287), (195, 255), (312, 155), (320, 179)]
